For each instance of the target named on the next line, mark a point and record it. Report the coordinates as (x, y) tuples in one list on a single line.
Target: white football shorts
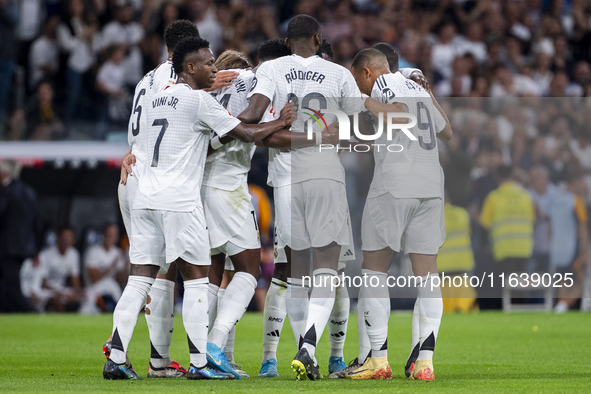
[(126, 197), (161, 237), (312, 213), (231, 220), (414, 225)]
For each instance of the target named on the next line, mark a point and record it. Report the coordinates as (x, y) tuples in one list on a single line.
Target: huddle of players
[(168, 222)]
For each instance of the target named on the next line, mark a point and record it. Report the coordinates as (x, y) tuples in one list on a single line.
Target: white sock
[(296, 305), (416, 333), (364, 343), (195, 311), (213, 293), (430, 311), (125, 315), (322, 299), (274, 317), (232, 306), (160, 319), (229, 345), (376, 311), (338, 321), (232, 332)]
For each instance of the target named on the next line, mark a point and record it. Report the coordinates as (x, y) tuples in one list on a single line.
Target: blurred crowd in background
[(514, 77), (68, 67)]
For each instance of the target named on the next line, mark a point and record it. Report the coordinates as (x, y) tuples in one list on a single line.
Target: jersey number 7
[(163, 123)]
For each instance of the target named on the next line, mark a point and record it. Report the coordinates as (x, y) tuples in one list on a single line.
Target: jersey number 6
[(137, 109)]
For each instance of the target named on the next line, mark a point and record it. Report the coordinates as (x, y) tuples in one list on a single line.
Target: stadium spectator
[(104, 269), (508, 215), (202, 12), (456, 258), (77, 36), (41, 120), (444, 51), (472, 42), (569, 246), (543, 193), (61, 265), (18, 239), (30, 22), (8, 48), (110, 81), (44, 54), (169, 12), (125, 31), (31, 279)]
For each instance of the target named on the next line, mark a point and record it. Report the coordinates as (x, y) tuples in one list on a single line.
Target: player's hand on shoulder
[(288, 114), (418, 77), (222, 79), (331, 134)]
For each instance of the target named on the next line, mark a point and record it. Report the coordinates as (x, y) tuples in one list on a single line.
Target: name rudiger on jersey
[(313, 76)]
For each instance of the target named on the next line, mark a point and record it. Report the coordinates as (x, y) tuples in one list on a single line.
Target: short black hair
[(273, 49), (62, 228), (505, 172), (106, 225), (302, 27), (326, 48), (178, 30), (183, 48), (368, 56), (390, 53)]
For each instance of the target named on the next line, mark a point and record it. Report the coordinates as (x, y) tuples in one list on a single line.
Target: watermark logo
[(317, 116), (393, 122)]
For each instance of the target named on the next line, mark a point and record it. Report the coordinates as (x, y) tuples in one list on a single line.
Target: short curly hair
[(302, 27), (273, 49), (178, 30), (185, 47)]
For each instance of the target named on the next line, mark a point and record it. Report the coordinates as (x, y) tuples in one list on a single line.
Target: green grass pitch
[(485, 352)]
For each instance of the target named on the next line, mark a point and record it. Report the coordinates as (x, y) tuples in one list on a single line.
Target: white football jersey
[(312, 83), (227, 168), (414, 172), (179, 123), (153, 82), (164, 76)]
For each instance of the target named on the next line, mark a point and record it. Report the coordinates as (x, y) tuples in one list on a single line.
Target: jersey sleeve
[(351, 100), (164, 76), (215, 117), (269, 115), (407, 71), (263, 83)]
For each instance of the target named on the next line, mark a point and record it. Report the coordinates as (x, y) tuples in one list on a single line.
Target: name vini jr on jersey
[(304, 75), (172, 102)]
